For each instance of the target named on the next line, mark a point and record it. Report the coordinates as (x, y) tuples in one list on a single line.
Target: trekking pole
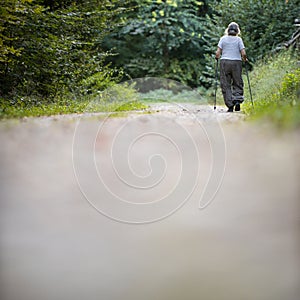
[(249, 84), (216, 83)]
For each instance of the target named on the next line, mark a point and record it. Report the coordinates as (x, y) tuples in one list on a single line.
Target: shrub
[(276, 91)]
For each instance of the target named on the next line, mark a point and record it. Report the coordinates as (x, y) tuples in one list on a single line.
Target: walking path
[(180, 203)]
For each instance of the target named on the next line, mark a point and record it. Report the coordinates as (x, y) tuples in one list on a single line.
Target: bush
[(276, 91), (264, 25), (114, 99), (47, 52)]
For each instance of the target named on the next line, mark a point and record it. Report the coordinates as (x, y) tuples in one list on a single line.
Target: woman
[(231, 49)]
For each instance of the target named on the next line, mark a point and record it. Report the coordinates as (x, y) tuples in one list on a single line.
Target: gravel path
[(179, 203)]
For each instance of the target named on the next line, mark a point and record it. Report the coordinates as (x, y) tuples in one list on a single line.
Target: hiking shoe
[(237, 107), (230, 109)]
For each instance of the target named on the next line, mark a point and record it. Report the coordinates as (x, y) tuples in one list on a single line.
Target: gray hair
[(235, 24)]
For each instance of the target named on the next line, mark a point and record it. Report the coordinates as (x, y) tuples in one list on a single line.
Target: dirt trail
[(108, 208)]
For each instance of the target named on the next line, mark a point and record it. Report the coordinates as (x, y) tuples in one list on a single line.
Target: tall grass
[(275, 85), (117, 98)]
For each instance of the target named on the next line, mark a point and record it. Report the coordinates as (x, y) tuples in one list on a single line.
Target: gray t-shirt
[(231, 47)]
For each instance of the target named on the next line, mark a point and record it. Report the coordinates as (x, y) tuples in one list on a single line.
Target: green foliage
[(276, 91), (116, 98), (161, 39), (58, 4), (132, 105), (54, 50), (11, 16), (22, 109), (47, 53), (119, 93), (164, 95), (264, 25)]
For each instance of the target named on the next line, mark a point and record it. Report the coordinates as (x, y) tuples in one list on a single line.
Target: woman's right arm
[(244, 56), (218, 53)]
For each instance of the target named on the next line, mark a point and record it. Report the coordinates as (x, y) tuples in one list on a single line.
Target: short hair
[(233, 29)]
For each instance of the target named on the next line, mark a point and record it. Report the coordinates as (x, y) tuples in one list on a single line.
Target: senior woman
[(231, 49)]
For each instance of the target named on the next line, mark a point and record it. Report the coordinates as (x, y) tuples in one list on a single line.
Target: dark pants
[(231, 81)]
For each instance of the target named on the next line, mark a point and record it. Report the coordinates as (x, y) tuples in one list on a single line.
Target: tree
[(48, 51), (163, 38), (264, 25)]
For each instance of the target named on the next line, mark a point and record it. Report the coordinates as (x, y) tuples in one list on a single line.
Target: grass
[(17, 111), (116, 100), (163, 95), (120, 98), (275, 86)]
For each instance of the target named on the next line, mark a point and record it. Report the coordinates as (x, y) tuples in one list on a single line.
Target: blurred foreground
[(57, 244)]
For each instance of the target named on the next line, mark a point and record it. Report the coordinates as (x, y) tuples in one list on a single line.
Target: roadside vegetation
[(275, 85), (117, 98), (70, 56)]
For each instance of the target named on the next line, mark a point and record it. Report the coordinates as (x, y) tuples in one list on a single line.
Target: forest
[(123, 175), (53, 51)]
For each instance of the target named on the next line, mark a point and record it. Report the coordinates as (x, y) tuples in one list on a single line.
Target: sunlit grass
[(120, 98), (275, 86)]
